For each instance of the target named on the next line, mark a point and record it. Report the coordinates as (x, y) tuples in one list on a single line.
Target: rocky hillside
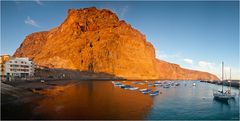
[(97, 41)]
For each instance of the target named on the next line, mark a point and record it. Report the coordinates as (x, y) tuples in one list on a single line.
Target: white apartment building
[(19, 67)]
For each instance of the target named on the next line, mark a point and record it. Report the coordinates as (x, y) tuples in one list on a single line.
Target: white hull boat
[(194, 84), (221, 95), (133, 88), (154, 93)]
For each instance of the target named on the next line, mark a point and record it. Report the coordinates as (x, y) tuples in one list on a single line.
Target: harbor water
[(103, 100)]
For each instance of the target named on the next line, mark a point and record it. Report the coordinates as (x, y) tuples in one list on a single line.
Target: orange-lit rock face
[(174, 71), (92, 39)]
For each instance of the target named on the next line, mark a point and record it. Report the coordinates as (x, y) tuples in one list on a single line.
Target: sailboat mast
[(230, 80), (222, 75)]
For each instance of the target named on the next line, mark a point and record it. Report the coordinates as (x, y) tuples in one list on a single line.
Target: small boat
[(150, 84), (118, 84), (135, 82), (122, 86), (194, 84), (157, 84), (154, 93), (127, 86), (166, 86), (142, 89), (113, 82), (141, 83), (133, 88), (177, 84), (146, 91)]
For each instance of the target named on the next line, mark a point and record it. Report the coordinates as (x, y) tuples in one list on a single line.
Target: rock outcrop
[(96, 40)]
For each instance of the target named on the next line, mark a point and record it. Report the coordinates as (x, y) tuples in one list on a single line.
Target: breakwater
[(234, 83)]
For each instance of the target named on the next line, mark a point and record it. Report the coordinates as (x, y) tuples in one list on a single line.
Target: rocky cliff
[(96, 40)]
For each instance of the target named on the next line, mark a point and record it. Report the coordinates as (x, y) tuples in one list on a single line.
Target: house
[(12, 68)]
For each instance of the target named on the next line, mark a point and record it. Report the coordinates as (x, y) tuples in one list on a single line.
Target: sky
[(196, 35)]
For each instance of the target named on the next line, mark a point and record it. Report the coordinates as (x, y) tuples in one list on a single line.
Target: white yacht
[(223, 95)]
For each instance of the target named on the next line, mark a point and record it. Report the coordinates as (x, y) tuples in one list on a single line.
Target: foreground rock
[(96, 40)]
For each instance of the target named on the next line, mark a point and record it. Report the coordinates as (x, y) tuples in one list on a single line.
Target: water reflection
[(192, 102), (223, 102), (92, 100), (101, 100)]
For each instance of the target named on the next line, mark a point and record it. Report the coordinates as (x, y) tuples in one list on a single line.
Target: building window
[(10, 61), (24, 66), (15, 61)]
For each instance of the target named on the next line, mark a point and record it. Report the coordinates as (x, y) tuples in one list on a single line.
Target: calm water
[(101, 100)]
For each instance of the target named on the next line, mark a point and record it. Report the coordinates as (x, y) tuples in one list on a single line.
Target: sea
[(102, 100)]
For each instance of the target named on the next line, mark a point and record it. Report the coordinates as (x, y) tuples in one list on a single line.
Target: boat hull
[(223, 97), (154, 93)]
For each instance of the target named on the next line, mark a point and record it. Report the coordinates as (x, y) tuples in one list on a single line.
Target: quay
[(234, 83)]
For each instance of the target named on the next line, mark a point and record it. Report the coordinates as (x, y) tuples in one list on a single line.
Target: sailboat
[(221, 95)]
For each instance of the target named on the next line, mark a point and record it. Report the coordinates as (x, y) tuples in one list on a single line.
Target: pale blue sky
[(196, 35)]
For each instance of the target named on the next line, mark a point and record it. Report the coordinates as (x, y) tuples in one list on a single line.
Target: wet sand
[(38, 85)]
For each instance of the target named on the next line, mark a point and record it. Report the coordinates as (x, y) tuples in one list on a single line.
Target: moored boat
[(122, 86), (194, 84), (117, 84), (177, 84), (154, 93), (150, 84), (146, 91), (166, 86), (142, 89), (127, 86), (133, 88), (157, 84), (221, 95)]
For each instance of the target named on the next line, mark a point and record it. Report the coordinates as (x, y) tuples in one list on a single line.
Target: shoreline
[(51, 83), (31, 85)]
